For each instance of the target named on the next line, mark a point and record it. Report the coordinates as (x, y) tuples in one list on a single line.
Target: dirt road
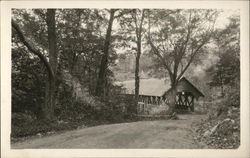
[(169, 134)]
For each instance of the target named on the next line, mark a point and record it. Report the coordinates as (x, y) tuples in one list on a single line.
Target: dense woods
[(65, 63)]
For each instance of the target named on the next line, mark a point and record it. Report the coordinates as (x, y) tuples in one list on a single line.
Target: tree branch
[(32, 49), (141, 22), (192, 58), (136, 24), (124, 12), (156, 52)]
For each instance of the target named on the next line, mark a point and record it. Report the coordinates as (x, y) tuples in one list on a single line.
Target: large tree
[(52, 48), (176, 37), (101, 86), (48, 106), (131, 32), (104, 61), (138, 19)]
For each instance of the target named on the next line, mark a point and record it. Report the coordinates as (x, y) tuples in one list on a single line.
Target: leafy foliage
[(27, 84), (224, 118), (226, 73)]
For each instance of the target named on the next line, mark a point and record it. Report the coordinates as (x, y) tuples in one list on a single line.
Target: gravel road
[(168, 134)]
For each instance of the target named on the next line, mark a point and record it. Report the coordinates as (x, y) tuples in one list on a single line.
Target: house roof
[(149, 87)]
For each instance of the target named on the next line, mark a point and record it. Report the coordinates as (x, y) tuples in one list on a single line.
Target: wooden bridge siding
[(148, 100), (185, 101)]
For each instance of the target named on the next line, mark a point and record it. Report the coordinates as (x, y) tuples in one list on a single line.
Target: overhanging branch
[(32, 49), (156, 52), (192, 58)]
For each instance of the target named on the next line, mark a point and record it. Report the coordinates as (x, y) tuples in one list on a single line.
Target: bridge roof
[(149, 87)]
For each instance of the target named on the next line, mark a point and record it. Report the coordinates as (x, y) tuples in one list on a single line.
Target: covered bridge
[(186, 92), (154, 91), (151, 90)]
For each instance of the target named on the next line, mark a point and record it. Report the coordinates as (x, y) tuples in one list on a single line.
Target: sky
[(223, 20)]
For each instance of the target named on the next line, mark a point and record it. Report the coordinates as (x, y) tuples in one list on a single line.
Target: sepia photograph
[(125, 78)]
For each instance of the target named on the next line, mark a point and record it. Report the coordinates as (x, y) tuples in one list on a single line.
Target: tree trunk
[(172, 97), (137, 78), (104, 62), (48, 109), (138, 32)]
